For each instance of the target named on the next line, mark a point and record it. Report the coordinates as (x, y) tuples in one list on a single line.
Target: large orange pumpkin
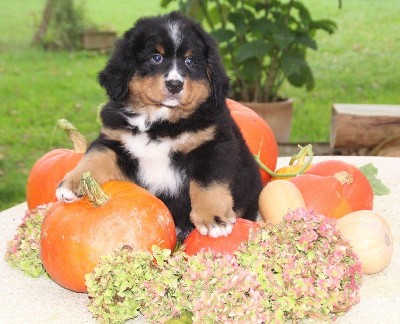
[(51, 168), (258, 135), (323, 194), (196, 242), (74, 236), (358, 191)]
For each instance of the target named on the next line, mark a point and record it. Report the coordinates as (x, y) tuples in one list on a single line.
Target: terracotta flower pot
[(99, 40)]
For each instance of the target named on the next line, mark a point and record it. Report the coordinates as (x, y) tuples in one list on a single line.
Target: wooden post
[(361, 125)]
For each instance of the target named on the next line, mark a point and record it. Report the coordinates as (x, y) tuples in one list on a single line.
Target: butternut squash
[(278, 198), (370, 237)]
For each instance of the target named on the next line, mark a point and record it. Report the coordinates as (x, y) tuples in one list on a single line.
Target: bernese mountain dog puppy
[(166, 127)]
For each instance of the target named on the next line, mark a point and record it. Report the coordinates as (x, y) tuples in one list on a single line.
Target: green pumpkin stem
[(75, 136), (299, 158), (92, 190)]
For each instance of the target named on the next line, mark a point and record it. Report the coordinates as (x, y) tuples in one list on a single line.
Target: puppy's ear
[(219, 81), (120, 68)]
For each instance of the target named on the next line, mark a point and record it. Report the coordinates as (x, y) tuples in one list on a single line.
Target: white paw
[(65, 195), (217, 231), (203, 230)]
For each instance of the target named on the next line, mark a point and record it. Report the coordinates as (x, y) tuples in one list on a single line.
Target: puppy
[(166, 127)]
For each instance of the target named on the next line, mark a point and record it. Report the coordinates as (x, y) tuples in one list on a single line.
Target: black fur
[(225, 159)]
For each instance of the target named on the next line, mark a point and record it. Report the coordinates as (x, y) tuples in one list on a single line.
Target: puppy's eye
[(157, 58), (189, 61)]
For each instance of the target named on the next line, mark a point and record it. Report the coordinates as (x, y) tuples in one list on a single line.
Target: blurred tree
[(61, 26)]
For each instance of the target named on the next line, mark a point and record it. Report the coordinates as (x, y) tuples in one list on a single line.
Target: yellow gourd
[(278, 198), (370, 237)]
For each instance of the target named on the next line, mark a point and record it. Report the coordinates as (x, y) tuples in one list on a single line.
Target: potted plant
[(263, 44)]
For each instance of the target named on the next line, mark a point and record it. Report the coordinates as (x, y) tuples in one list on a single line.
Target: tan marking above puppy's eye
[(160, 49), (188, 53)]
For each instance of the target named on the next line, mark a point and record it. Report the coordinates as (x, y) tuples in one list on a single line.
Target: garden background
[(359, 63)]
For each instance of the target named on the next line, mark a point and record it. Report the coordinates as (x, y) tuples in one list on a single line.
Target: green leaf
[(297, 70), (370, 171), (251, 69), (223, 35), (263, 26), (239, 21), (282, 35), (307, 41), (304, 13), (165, 3), (252, 49), (292, 63), (324, 24)]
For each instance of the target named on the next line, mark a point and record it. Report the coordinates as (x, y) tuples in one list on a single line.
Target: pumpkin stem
[(74, 135), (344, 177), (299, 158), (92, 190)]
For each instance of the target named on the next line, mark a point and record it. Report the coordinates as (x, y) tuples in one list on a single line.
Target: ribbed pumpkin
[(258, 135), (51, 168), (74, 236)]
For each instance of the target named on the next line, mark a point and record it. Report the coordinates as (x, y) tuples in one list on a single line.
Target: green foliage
[(66, 26), (263, 42), (370, 171)]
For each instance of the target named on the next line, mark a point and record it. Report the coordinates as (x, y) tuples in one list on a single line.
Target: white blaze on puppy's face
[(174, 74), (174, 32)]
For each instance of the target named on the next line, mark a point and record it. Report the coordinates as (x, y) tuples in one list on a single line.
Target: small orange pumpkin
[(258, 136), (196, 242), (358, 190), (323, 194), (51, 168), (74, 236)]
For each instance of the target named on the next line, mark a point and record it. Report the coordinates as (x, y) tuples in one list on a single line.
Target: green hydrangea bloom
[(23, 251)]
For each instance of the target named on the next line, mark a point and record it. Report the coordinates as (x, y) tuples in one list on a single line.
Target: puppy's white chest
[(156, 171)]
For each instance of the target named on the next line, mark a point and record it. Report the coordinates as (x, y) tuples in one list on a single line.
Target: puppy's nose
[(174, 86)]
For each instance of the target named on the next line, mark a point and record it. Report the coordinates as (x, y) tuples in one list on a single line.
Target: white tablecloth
[(27, 300)]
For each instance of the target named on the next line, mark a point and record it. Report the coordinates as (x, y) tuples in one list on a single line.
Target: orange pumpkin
[(258, 136), (358, 190), (51, 168), (325, 195), (196, 242), (74, 236)]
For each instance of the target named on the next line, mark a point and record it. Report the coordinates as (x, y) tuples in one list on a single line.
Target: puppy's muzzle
[(174, 86)]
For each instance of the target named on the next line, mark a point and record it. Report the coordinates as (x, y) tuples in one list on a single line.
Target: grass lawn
[(358, 64)]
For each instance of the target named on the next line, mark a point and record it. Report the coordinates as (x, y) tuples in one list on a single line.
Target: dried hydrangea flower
[(115, 285), (308, 267), (302, 268), (23, 252)]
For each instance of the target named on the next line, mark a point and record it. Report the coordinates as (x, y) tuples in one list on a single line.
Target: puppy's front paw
[(214, 225), (65, 195), (212, 208), (69, 189)]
